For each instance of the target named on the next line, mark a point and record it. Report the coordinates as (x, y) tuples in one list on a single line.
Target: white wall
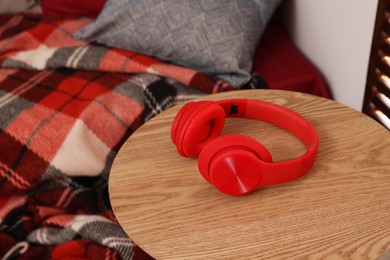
[(336, 36)]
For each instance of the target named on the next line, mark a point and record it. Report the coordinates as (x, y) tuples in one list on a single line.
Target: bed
[(71, 94)]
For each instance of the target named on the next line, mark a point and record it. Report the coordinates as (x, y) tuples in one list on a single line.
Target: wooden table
[(339, 210)]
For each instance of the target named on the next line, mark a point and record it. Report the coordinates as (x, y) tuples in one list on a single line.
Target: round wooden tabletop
[(340, 209)]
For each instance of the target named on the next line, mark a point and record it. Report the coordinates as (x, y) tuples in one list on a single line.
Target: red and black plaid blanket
[(66, 106)]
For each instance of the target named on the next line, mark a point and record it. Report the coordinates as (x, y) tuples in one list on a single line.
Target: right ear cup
[(230, 163), (195, 124)]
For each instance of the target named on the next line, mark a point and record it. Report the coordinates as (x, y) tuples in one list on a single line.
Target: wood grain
[(339, 210)]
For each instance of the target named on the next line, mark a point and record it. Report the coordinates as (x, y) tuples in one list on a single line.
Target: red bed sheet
[(282, 66)]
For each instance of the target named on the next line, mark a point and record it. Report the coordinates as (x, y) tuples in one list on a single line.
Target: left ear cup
[(195, 124), (230, 163)]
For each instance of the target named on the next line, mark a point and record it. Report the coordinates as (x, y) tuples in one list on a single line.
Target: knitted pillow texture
[(215, 37)]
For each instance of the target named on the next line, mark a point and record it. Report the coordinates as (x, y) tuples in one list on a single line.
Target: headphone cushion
[(179, 119), (195, 124), (230, 163)]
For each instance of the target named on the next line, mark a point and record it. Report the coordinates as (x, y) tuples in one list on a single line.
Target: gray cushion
[(213, 36)]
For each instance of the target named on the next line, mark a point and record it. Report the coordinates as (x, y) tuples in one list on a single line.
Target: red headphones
[(238, 164)]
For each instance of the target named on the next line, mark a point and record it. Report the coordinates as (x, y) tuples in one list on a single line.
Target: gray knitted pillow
[(217, 37)]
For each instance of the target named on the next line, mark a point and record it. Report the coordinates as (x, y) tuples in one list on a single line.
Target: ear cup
[(195, 124), (179, 119), (230, 163)]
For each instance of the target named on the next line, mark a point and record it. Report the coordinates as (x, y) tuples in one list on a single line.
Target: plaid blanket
[(66, 106)]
